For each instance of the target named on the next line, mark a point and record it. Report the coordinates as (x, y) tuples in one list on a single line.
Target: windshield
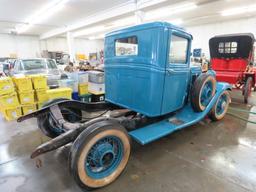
[(51, 64), (32, 64)]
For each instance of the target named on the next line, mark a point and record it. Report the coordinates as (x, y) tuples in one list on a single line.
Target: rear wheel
[(203, 91), (99, 155), (47, 124), (247, 89), (220, 108)]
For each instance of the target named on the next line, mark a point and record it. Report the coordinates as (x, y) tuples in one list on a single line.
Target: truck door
[(177, 71)]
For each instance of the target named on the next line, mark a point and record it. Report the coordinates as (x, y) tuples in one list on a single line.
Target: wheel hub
[(103, 155)]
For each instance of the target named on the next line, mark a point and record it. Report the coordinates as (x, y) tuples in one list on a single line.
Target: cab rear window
[(126, 46)]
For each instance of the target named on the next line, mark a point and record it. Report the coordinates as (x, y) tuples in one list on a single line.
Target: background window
[(178, 50), (228, 47), (126, 46)]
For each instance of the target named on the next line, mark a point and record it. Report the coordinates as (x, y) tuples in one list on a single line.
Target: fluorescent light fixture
[(42, 14), (103, 28), (164, 12), (239, 10)]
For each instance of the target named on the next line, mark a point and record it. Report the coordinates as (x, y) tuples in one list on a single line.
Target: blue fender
[(181, 119)]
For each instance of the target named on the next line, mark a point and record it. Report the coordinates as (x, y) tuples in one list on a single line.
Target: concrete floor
[(216, 157)]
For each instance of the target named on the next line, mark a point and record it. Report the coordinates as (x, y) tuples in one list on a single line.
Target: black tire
[(87, 142), (247, 89), (47, 125), (196, 92), (220, 108)]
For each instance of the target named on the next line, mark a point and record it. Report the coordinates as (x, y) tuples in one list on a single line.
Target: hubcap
[(222, 104), (104, 157), (206, 93)]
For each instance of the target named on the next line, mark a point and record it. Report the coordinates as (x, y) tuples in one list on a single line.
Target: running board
[(183, 118)]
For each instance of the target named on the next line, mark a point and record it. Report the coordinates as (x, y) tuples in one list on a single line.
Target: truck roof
[(147, 26)]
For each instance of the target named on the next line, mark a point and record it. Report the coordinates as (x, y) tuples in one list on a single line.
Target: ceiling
[(83, 15)]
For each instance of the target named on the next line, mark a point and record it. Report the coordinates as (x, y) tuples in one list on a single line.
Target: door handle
[(170, 71)]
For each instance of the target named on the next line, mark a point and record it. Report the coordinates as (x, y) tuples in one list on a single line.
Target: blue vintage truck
[(151, 91)]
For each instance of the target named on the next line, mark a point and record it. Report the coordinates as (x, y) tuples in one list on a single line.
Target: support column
[(139, 16), (70, 41)]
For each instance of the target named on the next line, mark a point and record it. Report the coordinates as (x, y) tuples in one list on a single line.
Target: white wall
[(31, 46), (23, 46), (81, 46), (202, 33)]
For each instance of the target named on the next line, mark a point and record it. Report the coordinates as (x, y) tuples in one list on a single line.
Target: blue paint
[(104, 157), (197, 52), (147, 83), (75, 96), (186, 115)]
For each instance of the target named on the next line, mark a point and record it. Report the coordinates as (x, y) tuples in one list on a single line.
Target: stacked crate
[(26, 93), (9, 104), (84, 95), (40, 87), (96, 86)]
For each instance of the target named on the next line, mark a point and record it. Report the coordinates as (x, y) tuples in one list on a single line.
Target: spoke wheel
[(203, 91), (220, 108), (99, 155)]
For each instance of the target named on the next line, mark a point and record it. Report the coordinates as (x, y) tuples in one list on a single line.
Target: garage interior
[(206, 156)]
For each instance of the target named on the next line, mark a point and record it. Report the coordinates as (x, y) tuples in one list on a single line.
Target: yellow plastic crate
[(12, 113), (39, 81), (41, 95), (83, 89), (59, 93), (6, 85), (9, 100), (23, 83), (26, 97), (40, 105), (29, 108)]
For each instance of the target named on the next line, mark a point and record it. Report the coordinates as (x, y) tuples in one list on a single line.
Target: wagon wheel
[(221, 107), (48, 126), (247, 89), (99, 155), (203, 91)]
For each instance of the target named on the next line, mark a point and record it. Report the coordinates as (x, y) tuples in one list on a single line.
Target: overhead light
[(89, 31), (42, 14), (239, 10), (103, 28), (164, 12)]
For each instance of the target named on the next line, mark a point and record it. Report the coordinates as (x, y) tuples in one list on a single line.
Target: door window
[(178, 50)]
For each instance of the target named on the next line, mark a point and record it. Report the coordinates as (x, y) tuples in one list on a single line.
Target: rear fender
[(69, 104)]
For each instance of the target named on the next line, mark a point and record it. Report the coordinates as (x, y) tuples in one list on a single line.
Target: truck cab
[(148, 68)]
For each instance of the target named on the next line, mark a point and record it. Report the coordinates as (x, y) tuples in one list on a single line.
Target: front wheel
[(220, 108), (202, 92), (99, 155)]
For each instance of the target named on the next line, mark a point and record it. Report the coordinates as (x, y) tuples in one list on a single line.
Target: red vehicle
[(232, 58)]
